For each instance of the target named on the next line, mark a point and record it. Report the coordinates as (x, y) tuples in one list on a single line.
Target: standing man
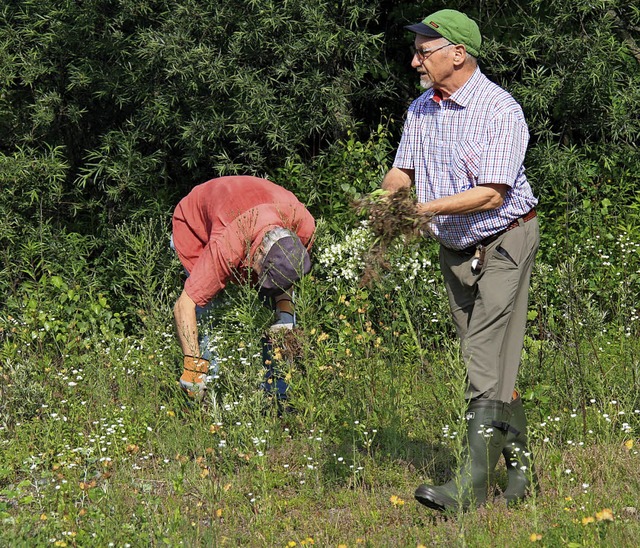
[(236, 229), (463, 146)]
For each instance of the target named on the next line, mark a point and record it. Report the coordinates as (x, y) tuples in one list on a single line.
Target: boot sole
[(431, 504), (427, 498)]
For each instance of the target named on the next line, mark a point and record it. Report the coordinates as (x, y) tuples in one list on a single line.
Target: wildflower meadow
[(112, 111), (100, 447)]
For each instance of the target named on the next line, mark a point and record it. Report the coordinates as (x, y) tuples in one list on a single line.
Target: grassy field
[(99, 447)]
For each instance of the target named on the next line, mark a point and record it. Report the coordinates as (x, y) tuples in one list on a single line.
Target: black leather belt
[(513, 224)]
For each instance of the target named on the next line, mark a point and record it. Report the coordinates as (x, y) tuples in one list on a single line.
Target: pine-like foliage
[(147, 98)]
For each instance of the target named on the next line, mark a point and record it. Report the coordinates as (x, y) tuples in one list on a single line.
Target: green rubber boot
[(487, 423), (520, 470)]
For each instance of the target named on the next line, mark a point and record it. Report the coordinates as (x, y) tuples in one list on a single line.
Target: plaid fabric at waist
[(489, 239)]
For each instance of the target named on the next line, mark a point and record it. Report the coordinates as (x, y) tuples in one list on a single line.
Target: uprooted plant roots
[(290, 342), (390, 216)]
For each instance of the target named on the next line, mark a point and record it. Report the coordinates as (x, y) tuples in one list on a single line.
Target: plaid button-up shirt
[(477, 136)]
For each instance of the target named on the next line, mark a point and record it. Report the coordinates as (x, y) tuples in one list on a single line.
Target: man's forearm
[(184, 313), (479, 198)]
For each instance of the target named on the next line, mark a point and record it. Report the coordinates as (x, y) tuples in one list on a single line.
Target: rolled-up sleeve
[(505, 150)]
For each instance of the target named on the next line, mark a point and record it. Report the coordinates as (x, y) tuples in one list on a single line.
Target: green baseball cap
[(452, 25)]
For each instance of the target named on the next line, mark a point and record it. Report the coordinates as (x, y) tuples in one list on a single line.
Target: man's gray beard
[(426, 82)]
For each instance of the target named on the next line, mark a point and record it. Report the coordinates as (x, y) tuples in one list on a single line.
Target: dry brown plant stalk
[(391, 216)]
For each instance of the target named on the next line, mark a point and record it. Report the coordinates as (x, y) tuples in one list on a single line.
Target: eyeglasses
[(424, 54)]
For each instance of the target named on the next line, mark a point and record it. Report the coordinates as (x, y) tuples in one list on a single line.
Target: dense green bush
[(113, 111), (146, 99), (348, 169)]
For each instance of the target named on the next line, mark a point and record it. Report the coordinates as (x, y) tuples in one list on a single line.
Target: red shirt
[(221, 223)]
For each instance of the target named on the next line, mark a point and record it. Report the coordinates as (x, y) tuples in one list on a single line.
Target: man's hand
[(284, 320), (397, 178), (285, 315), (194, 376), (423, 210)]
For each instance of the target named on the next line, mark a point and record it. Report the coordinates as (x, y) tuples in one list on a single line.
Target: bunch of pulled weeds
[(392, 217)]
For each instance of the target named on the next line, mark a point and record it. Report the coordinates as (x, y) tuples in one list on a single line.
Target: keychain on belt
[(478, 258)]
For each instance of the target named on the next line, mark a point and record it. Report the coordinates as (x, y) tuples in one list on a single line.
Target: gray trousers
[(489, 309)]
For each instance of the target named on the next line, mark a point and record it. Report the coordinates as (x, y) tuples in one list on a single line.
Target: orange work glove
[(193, 379)]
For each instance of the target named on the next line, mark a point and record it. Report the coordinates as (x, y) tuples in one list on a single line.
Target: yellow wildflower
[(604, 515), (396, 501), (535, 537), (587, 520)]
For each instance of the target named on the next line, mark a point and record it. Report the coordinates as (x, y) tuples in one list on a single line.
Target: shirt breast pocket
[(465, 162)]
